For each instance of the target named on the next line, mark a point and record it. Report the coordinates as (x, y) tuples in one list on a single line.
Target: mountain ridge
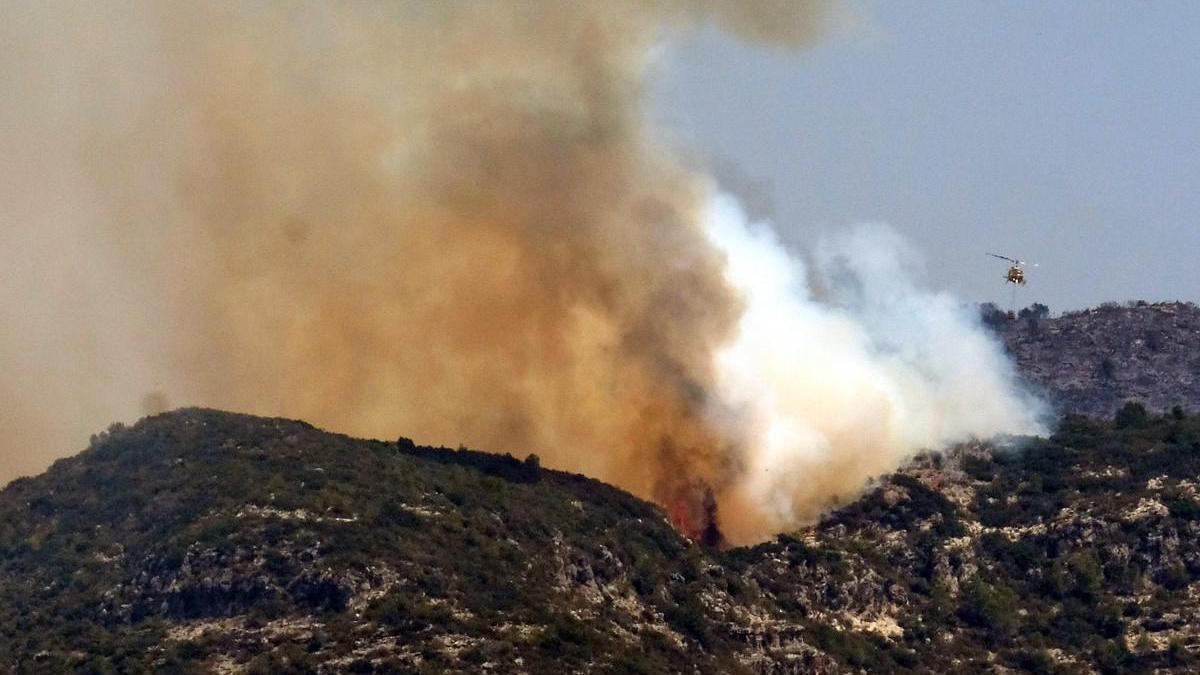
[(1092, 361), (201, 541)]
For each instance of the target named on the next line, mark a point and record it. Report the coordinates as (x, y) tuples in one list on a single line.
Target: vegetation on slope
[(1069, 554), (193, 537), (1091, 361), (198, 541)]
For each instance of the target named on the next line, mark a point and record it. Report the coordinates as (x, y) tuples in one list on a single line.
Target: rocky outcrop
[(1091, 362)]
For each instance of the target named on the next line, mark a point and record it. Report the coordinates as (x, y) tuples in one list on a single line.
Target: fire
[(693, 512)]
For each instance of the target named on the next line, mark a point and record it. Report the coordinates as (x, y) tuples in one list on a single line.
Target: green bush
[(1132, 415), (992, 607)]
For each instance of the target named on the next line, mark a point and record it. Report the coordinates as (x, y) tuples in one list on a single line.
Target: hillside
[(1091, 362), (201, 541)]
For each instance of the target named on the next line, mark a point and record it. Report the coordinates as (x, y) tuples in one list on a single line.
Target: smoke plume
[(824, 394), (450, 221)]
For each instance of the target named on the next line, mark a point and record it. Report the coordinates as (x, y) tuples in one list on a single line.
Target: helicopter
[(1016, 273), (1016, 277)]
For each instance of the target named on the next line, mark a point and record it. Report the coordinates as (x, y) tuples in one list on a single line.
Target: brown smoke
[(447, 220)]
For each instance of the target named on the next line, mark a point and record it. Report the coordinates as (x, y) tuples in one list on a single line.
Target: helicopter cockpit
[(1016, 273)]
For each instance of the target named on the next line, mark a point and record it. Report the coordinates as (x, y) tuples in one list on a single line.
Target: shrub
[(1035, 661), (1107, 369), (1132, 415), (990, 607), (978, 468)]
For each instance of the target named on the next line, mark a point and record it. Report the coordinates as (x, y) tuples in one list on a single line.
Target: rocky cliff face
[(1091, 362), (200, 541)]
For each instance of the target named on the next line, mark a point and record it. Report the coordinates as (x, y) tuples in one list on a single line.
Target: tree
[(990, 607), (1132, 415), (533, 462), (992, 316), (1033, 315), (1036, 311)]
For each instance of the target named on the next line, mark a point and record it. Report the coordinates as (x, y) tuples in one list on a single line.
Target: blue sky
[(1066, 133)]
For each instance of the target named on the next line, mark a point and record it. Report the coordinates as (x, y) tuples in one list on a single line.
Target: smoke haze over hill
[(449, 221)]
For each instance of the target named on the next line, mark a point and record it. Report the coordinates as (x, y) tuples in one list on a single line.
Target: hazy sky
[(1065, 133)]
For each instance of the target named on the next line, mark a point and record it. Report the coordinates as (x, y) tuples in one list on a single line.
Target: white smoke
[(827, 392)]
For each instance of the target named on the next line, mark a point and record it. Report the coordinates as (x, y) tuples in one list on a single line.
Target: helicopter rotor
[(1011, 260)]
